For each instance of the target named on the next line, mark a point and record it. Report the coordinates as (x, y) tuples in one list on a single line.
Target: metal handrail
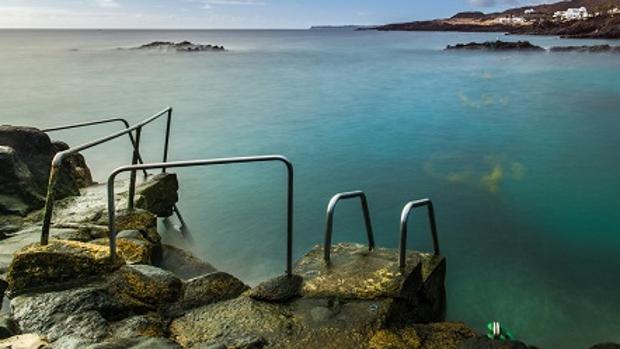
[(95, 123), (329, 227), (60, 156), (404, 218), (207, 162)]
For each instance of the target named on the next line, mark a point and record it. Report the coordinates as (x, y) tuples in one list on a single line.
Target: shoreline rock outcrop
[(497, 46), (183, 46)]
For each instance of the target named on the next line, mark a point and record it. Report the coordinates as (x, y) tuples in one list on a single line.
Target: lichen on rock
[(37, 265)]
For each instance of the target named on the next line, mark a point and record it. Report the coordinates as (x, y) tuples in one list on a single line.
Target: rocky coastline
[(531, 20), (527, 46), (68, 294)]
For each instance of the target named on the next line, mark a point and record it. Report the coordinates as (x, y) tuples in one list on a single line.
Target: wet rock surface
[(182, 263), (497, 46)]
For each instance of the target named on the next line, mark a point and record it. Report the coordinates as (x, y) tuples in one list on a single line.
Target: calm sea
[(518, 151)]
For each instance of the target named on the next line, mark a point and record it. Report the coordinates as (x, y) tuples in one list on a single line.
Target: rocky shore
[(68, 294), (603, 23)]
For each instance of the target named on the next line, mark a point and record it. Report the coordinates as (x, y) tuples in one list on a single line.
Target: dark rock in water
[(585, 48), (279, 289), (497, 46), (182, 263), (486, 343), (148, 284), (8, 327), (37, 266), (158, 195), (25, 158), (606, 346), (183, 46), (211, 288)]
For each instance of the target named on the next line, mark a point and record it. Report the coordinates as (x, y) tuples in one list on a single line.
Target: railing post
[(111, 219), (49, 201), (167, 139), (329, 226), (132, 175), (404, 218)]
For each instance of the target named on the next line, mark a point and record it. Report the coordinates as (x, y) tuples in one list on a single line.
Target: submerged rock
[(37, 266), (497, 46), (182, 263), (184, 46)]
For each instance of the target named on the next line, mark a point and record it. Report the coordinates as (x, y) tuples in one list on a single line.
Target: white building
[(512, 20), (614, 11), (572, 14), (529, 11)]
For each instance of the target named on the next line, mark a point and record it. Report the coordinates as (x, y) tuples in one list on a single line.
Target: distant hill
[(591, 5), (540, 21)]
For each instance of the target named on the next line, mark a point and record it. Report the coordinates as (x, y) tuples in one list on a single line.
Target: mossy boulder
[(149, 284), (37, 266), (133, 251), (137, 219)]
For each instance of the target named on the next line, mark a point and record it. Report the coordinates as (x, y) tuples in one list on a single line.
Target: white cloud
[(108, 3)]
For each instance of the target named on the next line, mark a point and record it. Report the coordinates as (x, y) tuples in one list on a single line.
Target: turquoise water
[(518, 151)]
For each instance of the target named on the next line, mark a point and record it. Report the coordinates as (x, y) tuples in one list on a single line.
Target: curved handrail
[(60, 156), (404, 218), (329, 227), (207, 162), (95, 123)]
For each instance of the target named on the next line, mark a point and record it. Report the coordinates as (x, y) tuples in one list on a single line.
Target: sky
[(227, 14)]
